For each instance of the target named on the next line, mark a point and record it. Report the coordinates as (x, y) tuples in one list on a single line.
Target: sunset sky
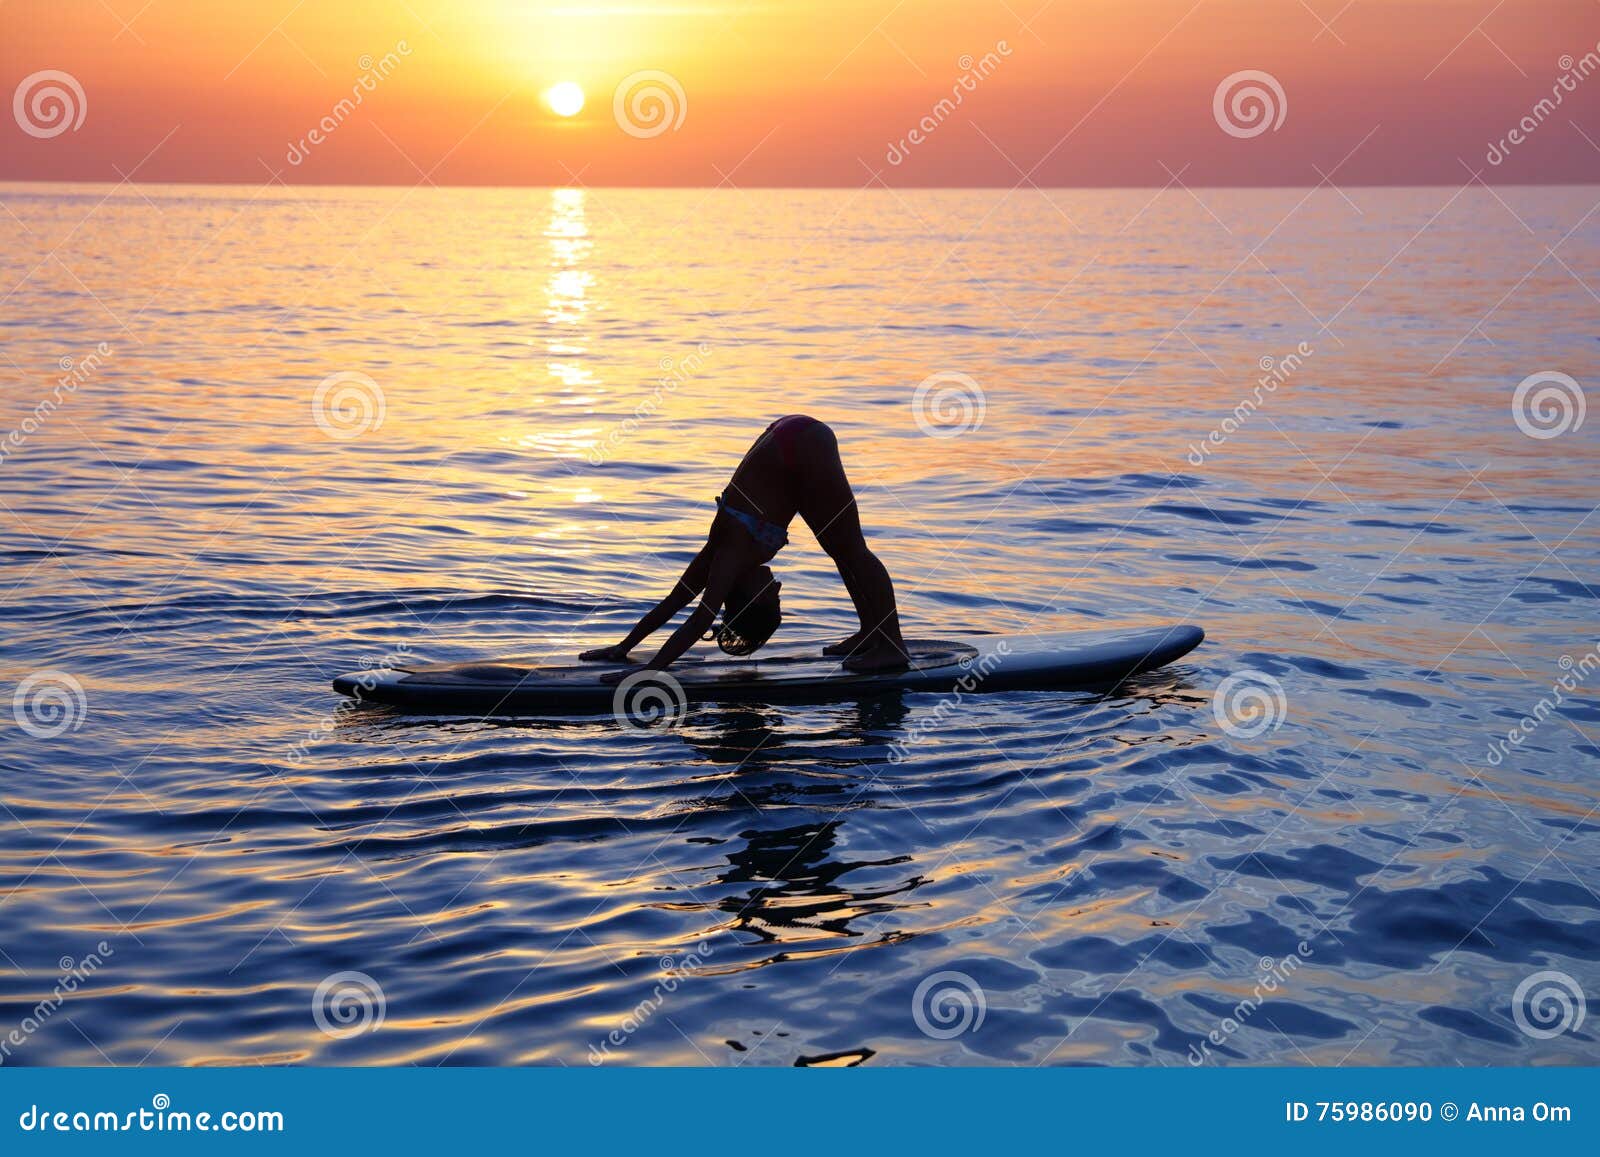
[(1058, 92)]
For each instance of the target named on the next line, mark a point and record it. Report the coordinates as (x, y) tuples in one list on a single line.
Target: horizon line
[(1477, 178)]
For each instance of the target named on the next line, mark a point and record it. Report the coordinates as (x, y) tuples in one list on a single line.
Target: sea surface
[(257, 438)]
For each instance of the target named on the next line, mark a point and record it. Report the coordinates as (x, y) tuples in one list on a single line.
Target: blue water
[(206, 858)]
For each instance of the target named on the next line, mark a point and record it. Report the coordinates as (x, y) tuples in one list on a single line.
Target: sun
[(565, 99)]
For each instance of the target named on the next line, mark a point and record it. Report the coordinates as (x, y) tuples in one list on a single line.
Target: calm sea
[(257, 438)]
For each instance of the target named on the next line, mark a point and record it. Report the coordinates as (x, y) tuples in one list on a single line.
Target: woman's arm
[(691, 583), (725, 567)]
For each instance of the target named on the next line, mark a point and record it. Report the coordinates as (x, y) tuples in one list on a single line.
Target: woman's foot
[(880, 655), (845, 646)]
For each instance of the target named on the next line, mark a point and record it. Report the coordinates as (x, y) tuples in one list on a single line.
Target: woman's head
[(752, 612)]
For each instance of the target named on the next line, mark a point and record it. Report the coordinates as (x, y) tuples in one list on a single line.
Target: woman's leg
[(828, 505)]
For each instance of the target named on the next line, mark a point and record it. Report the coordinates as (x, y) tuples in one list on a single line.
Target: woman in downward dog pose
[(792, 468)]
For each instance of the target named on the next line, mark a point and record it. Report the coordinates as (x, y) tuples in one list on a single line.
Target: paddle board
[(794, 672)]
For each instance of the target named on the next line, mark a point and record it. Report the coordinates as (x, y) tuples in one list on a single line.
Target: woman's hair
[(752, 612)]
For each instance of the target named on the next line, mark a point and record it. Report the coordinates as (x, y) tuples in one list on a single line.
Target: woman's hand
[(612, 654)]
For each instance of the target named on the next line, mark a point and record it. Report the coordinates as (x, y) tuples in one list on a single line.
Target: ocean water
[(258, 438)]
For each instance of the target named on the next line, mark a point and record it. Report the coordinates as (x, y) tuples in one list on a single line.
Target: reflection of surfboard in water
[(793, 672)]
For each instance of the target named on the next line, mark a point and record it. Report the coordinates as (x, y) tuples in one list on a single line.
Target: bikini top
[(767, 534)]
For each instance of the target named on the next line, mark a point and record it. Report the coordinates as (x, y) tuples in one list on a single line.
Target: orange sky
[(786, 92)]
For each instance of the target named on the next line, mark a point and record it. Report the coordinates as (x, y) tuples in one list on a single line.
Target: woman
[(793, 468)]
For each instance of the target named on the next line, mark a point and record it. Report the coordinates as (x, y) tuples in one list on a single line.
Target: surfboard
[(793, 672)]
